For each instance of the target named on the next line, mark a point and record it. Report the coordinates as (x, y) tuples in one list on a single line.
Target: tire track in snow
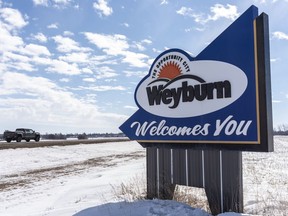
[(28, 178)]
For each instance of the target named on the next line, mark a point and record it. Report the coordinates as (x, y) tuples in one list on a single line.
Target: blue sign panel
[(212, 98)]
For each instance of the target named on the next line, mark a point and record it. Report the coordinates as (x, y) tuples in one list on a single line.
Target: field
[(266, 180), (84, 180)]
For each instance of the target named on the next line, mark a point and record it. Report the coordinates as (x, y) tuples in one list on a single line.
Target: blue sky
[(73, 65)]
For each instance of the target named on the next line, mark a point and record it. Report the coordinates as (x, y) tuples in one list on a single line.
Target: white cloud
[(66, 80), (136, 59), (131, 107), (8, 41), (41, 2), (273, 60), (54, 3), (43, 102), (102, 7), (16, 54), (199, 29), (164, 2), (198, 17), (35, 50), (105, 72), (40, 37), (7, 56), (185, 11), (22, 84), (41, 60), (135, 73), (17, 62), (276, 101), (86, 70), (89, 79), (110, 80), (103, 88), (146, 41), (126, 25), (62, 1), (66, 44), (141, 45), (111, 44), (116, 45), (53, 26), (280, 35), (77, 6), (274, 1), (156, 50), (12, 19), (217, 11), (62, 67), (68, 33), (77, 57)]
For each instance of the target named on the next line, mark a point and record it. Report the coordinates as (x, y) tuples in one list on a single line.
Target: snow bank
[(145, 207)]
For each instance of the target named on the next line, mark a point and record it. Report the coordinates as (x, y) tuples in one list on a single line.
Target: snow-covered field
[(266, 180), (79, 180)]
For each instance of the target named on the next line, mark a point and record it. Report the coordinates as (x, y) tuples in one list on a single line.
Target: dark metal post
[(166, 188), (151, 163), (232, 181), (218, 172), (212, 180)]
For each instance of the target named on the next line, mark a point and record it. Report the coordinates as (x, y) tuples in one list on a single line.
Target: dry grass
[(132, 190), (195, 197), (135, 189)]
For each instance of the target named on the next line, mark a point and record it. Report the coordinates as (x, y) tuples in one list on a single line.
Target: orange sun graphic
[(170, 71)]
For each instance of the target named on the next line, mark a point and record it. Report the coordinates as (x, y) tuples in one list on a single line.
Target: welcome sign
[(219, 99)]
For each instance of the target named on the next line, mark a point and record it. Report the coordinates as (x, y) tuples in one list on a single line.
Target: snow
[(140, 208), (265, 180), (81, 180)]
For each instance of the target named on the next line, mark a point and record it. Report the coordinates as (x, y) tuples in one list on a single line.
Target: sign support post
[(218, 172)]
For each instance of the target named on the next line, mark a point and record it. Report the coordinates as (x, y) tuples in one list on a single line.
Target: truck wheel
[(37, 138), (8, 140), (18, 139), (27, 140)]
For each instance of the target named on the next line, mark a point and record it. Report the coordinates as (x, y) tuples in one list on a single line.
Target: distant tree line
[(281, 130), (58, 136)]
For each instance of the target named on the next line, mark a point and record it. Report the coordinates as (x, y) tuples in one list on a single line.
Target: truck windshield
[(20, 130)]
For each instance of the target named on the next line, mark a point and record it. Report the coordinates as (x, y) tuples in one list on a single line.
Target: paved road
[(32, 144)]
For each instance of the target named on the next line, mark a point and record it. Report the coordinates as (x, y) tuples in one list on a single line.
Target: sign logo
[(179, 86)]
